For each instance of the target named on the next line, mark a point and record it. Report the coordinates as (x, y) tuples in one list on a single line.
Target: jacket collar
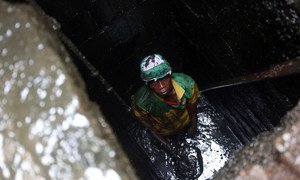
[(178, 89)]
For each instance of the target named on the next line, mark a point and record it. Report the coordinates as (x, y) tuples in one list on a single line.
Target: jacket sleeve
[(195, 94)]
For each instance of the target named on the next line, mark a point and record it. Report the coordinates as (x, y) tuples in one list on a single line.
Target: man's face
[(162, 87)]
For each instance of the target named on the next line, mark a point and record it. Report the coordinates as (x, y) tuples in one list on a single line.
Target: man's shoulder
[(141, 95), (146, 99), (183, 79)]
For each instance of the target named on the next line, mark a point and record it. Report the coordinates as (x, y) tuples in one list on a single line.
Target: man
[(167, 103)]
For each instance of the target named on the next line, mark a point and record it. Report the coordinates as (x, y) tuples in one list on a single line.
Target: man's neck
[(172, 96)]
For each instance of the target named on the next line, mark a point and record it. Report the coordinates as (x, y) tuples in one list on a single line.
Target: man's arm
[(192, 109), (157, 136), (143, 116)]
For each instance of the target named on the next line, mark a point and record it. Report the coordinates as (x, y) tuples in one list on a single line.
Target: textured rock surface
[(273, 155), (48, 126)]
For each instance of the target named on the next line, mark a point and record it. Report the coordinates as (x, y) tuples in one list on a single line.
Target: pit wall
[(209, 40)]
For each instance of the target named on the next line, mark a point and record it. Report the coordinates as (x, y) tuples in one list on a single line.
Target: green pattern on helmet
[(154, 67)]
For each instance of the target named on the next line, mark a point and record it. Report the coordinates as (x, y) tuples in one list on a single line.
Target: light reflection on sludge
[(4, 52)]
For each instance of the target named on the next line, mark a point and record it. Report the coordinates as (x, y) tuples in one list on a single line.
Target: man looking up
[(167, 103)]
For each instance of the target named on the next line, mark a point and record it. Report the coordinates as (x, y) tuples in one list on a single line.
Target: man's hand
[(162, 141), (192, 110), (166, 145), (192, 129)]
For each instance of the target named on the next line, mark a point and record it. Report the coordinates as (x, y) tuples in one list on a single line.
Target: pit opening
[(210, 41)]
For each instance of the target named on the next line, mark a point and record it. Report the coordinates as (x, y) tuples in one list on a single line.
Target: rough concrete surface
[(272, 155), (49, 129)]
